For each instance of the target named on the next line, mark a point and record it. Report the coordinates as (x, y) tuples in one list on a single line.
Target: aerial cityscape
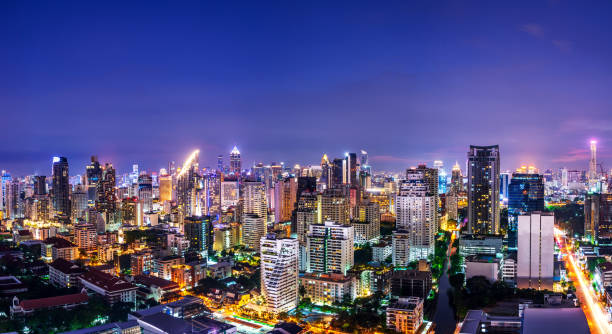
[(290, 168)]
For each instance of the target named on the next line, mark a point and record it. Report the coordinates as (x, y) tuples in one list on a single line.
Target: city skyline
[(148, 85)]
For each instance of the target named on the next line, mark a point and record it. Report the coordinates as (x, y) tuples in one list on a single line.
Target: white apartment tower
[(330, 248), (279, 272), (415, 209), (535, 253), (255, 201)]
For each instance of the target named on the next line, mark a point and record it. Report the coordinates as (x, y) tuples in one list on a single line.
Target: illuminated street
[(596, 316)]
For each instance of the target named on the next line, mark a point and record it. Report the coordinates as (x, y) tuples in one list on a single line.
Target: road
[(595, 314), (444, 318)]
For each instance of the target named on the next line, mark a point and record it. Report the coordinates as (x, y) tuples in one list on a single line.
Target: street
[(595, 314)]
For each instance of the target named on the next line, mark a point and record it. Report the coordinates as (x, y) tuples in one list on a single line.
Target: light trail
[(188, 162), (596, 316)]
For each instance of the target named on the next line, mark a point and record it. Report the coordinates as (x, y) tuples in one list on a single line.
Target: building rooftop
[(154, 281), (107, 282), (66, 266), (34, 304), (59, 242), (332, 277), (557, 320), (406, 303)]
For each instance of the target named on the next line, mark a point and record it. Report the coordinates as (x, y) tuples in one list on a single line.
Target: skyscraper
[(483, 189), (535, 253), (525, 195), (593, 179), (235, 164), (456, 178), (598, 216), (40, 185), (253, 229), (198, 230), (61, 186), (107, 198), (255, 199), (335, 206), (279, 273), (330, 247), (187, 186), (145, 191), (93, 172), (349, 170), (415, 208), (220, 163)]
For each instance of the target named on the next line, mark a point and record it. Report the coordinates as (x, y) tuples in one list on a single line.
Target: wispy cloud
[(532, 29), (573, 156), (562, 45)]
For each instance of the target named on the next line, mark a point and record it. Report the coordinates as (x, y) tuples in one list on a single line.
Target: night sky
[(409, 81)]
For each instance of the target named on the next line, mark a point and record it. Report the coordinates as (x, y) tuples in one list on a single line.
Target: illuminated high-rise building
[(220, 163), (165, 187), (107, 198), (593, 178), (335, 206), (253, 229), (285, 195), (230, 193), (525, 195), (254, 199), (93, 173), (199, 232), (61, 187), (145, 191), (536, 251), (40, 185), (598, 216), (279, 273), (78, 202), (457, 178), (308, 212), (235, 164), (349, 170), (483, 189), (415, 208), (364, 163), (187, 186), (85, 236), (330, 247)]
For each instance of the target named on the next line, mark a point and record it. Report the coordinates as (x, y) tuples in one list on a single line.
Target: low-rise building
[(56, 247), (64, 274), (470, 244), (26, 307), (185, 308), (405, 315), (163, 266), (411, 283), (482, 265), (10, 286), (603, 274), (381, 251), (326, 289), (112, 289), (157, 288)]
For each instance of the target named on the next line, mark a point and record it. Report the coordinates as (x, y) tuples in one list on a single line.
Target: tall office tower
[(430, 176), (285, 195), (85, 236), (235, 164), (199, 232), (330, 247), (525, 195), (326, 172), (254, 199), (14, 203), (483, 189), (337, 172), (107, 198), (279, 273), (349, 169), (504, 183), (365, 163), (535, 253), (134, 174), (78, 201), (253, 229), (305, 184), (415, 209), (230, 193), (564, 177), (335, 206), (598, 216), (187, 182), (40, 185), (457, 178), (308, 212), (93, 173), (593, 164), (220, 163), (61, 187), (165, 187), (145, 191)]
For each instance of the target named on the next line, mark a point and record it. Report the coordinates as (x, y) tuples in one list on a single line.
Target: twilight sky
[(409, 81)]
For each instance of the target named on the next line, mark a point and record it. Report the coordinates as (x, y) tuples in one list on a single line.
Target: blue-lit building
[(525, 195), (504, 179)]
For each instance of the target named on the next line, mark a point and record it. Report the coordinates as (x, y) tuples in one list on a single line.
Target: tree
[(456, 280)]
